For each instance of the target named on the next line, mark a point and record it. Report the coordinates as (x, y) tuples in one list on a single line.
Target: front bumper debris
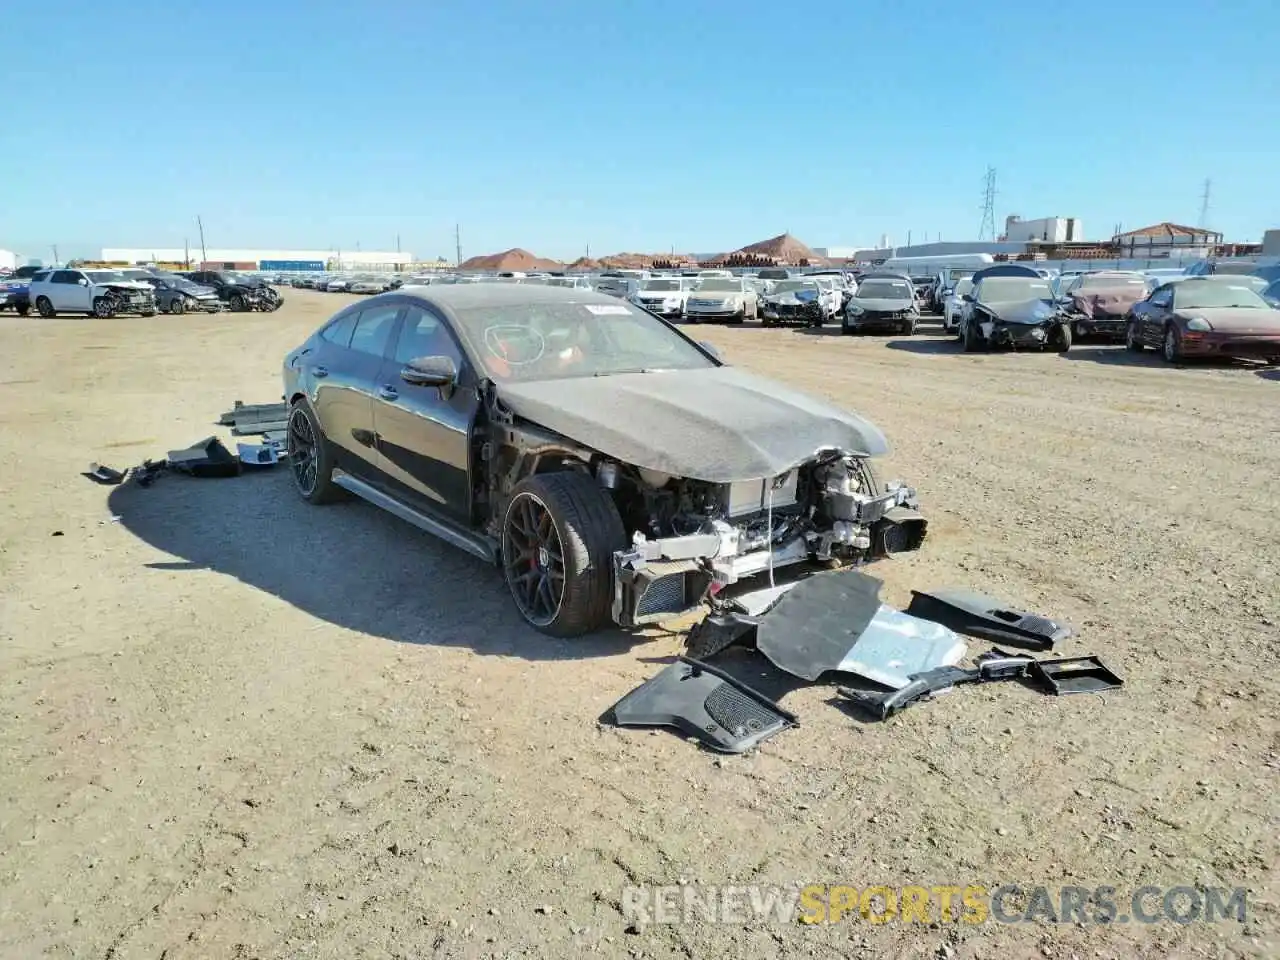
[(703, 702)]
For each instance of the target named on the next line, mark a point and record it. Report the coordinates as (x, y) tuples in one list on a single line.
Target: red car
[(1203, 317)]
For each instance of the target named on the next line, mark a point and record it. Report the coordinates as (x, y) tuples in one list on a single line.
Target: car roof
[(886, 276), (470, 295)]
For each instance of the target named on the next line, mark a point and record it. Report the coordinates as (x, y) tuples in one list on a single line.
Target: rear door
[(344, 374), (424, 433), (66, 292)]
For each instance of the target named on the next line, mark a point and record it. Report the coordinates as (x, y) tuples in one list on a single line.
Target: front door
[(424, 433), (344, 372), (67, 292)]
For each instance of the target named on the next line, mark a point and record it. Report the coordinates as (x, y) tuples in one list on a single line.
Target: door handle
[(319, 371), (388, 392)]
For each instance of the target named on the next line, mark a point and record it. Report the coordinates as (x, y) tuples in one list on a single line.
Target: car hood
[(1238, 320), (795, 296), (719, 425), (882, 305), (1109, 300), (662, 294), (1020, 311), (194, 289)]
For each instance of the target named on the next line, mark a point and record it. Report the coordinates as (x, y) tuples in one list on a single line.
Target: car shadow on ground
[(349, 564), (927, 345), (1113, 355), (1271, 373)]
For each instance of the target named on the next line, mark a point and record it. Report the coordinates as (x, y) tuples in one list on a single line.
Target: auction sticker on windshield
[(607, 310)]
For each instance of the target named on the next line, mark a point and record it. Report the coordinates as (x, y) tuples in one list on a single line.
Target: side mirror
[(83, 282), (710, 347), (967, 298), (439, 372)]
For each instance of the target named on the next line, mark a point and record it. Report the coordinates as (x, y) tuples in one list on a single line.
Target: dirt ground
[(235, 725)]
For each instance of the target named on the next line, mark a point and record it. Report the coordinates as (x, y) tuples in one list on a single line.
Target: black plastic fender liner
[(980, 616), (814, 625), (703, 702)]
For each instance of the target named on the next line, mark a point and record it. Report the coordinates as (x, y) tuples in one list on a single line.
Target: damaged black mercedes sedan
[(615, 469)]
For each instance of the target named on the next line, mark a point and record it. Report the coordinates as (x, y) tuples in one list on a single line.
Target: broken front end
[(698, 538)]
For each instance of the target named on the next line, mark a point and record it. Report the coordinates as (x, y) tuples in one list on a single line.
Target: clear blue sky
[(699, 125)]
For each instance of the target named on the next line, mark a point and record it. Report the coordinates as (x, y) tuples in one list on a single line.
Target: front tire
[(103, 308), (1062, 341), (972, 339), (310, 461), (177, 307), (238, 303), (23, 309), (1172, 346), (559, 534), (1132, 340)]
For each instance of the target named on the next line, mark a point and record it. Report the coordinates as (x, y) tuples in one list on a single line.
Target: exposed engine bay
[(693, 538)]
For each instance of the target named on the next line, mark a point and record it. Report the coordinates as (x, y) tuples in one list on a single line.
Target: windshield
[(955, 275), (791, 286), (556, 341), (105, 276), (1013, 289), (136, 274), (1190, 296), (1253, 283), (662, 285), (885, 290), (719, 285)]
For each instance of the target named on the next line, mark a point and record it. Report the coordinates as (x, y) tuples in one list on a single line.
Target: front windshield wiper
[(614, 373)]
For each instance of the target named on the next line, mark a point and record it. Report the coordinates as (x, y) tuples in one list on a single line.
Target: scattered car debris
[(1074, 675), (208, 458), (258, 454), (1068, 675), (704, 702), (247, 419), (981, 616), (105, 475)]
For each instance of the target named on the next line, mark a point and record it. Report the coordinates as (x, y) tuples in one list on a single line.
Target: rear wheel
[(44, 306), (559, 535), (310, 461)]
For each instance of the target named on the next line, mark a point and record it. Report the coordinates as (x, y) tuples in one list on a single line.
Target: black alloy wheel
[(302, 446), (533, 557)]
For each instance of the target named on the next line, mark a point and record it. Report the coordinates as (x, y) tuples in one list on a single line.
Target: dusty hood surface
[(719, 425), (1111, 301), (1238, 320), (882, 305), (1022, 311)]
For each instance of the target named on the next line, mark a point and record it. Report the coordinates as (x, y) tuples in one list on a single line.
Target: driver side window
[(423, 334), (1162, 298)]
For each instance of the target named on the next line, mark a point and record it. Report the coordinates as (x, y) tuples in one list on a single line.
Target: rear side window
[(373, 329), (65, 276), (340, 330), (40, 277)]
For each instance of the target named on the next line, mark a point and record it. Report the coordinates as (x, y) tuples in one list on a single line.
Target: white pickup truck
[(100, 293)]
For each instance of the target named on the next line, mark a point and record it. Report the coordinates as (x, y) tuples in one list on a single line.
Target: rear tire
[(44, 306), (310, 460), (559, 534)]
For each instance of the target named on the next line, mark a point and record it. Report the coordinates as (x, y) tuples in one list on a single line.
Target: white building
[(275, 259), (836, 253), (1049, 229), (8, 260)]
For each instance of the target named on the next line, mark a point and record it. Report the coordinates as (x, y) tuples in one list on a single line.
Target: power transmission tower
[(988, 229), (1204, 206)]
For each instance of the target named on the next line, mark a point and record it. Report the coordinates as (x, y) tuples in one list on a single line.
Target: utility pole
[(56, 261), (1204, 206), (988, 228), (457, 243), (908, 238), (204, 253), (397, 243), (186, 254)]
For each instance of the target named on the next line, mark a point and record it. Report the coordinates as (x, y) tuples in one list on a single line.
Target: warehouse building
[(245, 259)]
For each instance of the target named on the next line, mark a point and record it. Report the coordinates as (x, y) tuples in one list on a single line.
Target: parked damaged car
[(662, 296), (884, 302), (178, 295), (1098, 304), (1206, 317), (613, 468), (99, 293), (15, 295), (240, 292), (1013, 306), (807, 302)]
